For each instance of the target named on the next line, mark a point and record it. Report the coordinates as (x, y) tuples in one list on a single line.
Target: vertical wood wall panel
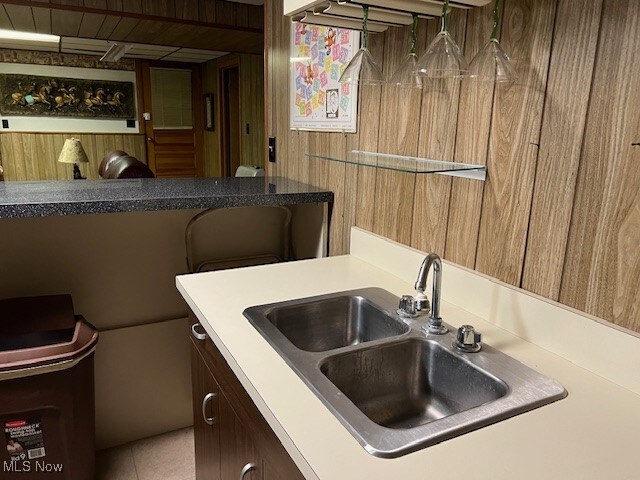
[(252, 149), (514, 140), (186, 9), (225, 12), (207, 10), (602, 267), (367, 139), (115, 5), (398, 134), (336, 181), (242, 15), (438, 121), (560, 211), (471, 146), (132, 6), (255, 16), (161, 8), (569, 88), (101, 4), (252, 109)]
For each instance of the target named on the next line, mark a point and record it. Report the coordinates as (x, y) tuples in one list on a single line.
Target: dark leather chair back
[(124, 166), (108, 158), (128, 167)]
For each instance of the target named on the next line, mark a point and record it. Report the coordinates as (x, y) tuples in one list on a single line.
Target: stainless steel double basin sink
[(395, 388)]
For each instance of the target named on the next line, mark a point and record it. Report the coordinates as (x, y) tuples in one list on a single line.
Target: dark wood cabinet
[(206, 399), (231, 435), (238, 450)]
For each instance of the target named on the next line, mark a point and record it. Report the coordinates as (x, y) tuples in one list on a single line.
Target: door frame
[(227, 63), (143, 78)]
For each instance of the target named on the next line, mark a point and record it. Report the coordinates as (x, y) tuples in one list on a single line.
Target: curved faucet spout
[(432, 261)]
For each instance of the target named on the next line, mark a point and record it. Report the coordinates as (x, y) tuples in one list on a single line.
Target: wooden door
[(207, 437), (238, 449), (173, 118)]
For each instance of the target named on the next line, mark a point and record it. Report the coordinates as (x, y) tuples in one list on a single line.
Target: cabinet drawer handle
[(207, 398), (196, 333), (246, 469)]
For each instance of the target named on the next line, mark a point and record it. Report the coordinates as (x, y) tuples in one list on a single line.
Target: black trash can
[(47, 400)]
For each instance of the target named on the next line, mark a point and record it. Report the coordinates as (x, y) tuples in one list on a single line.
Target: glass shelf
[(401, 163)]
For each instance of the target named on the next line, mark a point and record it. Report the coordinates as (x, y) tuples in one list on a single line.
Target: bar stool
[(232, 237)]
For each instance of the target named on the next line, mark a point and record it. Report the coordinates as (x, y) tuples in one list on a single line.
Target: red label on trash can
[(25, 440)]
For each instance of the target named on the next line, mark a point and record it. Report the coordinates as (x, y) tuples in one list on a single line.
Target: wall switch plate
[(146, 116), (131, 124), (272, 149), (5, 123)]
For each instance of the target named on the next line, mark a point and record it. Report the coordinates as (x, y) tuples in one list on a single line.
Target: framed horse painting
[(65, 97)]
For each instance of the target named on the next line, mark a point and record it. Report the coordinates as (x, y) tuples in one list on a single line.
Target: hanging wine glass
[(443, 58), (492, 63), (363, 69), (407, 74)]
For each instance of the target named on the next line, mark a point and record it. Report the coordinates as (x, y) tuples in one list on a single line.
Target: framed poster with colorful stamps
[(319, 101)]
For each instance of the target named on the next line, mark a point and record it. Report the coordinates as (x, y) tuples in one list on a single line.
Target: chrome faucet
[(434, 325)]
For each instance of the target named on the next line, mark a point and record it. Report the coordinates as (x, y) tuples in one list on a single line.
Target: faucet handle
[(407, 306), (467, 339), (422, 303)]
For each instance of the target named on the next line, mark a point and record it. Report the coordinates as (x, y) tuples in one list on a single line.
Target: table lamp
[(72, 152)]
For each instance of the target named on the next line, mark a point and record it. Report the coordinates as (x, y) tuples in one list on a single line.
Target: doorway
[(230, 135), (172, 118)]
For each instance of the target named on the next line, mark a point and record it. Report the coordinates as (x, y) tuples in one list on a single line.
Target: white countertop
[(591, 434)]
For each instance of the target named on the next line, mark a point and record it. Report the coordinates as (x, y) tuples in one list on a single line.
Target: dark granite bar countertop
[(78, 197)]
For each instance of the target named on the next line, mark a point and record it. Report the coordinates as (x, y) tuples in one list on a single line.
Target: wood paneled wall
[(211, 140), (251, 111), (34, 156), (559, 214)]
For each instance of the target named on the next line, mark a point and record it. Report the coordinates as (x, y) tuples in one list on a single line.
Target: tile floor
[(166, 457)]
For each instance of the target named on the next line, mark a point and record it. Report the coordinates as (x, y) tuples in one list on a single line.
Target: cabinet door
[(206, 419), (270, 473), (244, 436), (239, 453)]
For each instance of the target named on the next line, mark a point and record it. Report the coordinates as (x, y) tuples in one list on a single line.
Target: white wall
[(67, 124), (143, 382)]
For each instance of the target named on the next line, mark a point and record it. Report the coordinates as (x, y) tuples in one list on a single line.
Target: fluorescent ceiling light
[(28, 36), (116, 52)]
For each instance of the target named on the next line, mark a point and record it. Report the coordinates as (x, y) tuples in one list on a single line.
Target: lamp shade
[(72, 152)]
